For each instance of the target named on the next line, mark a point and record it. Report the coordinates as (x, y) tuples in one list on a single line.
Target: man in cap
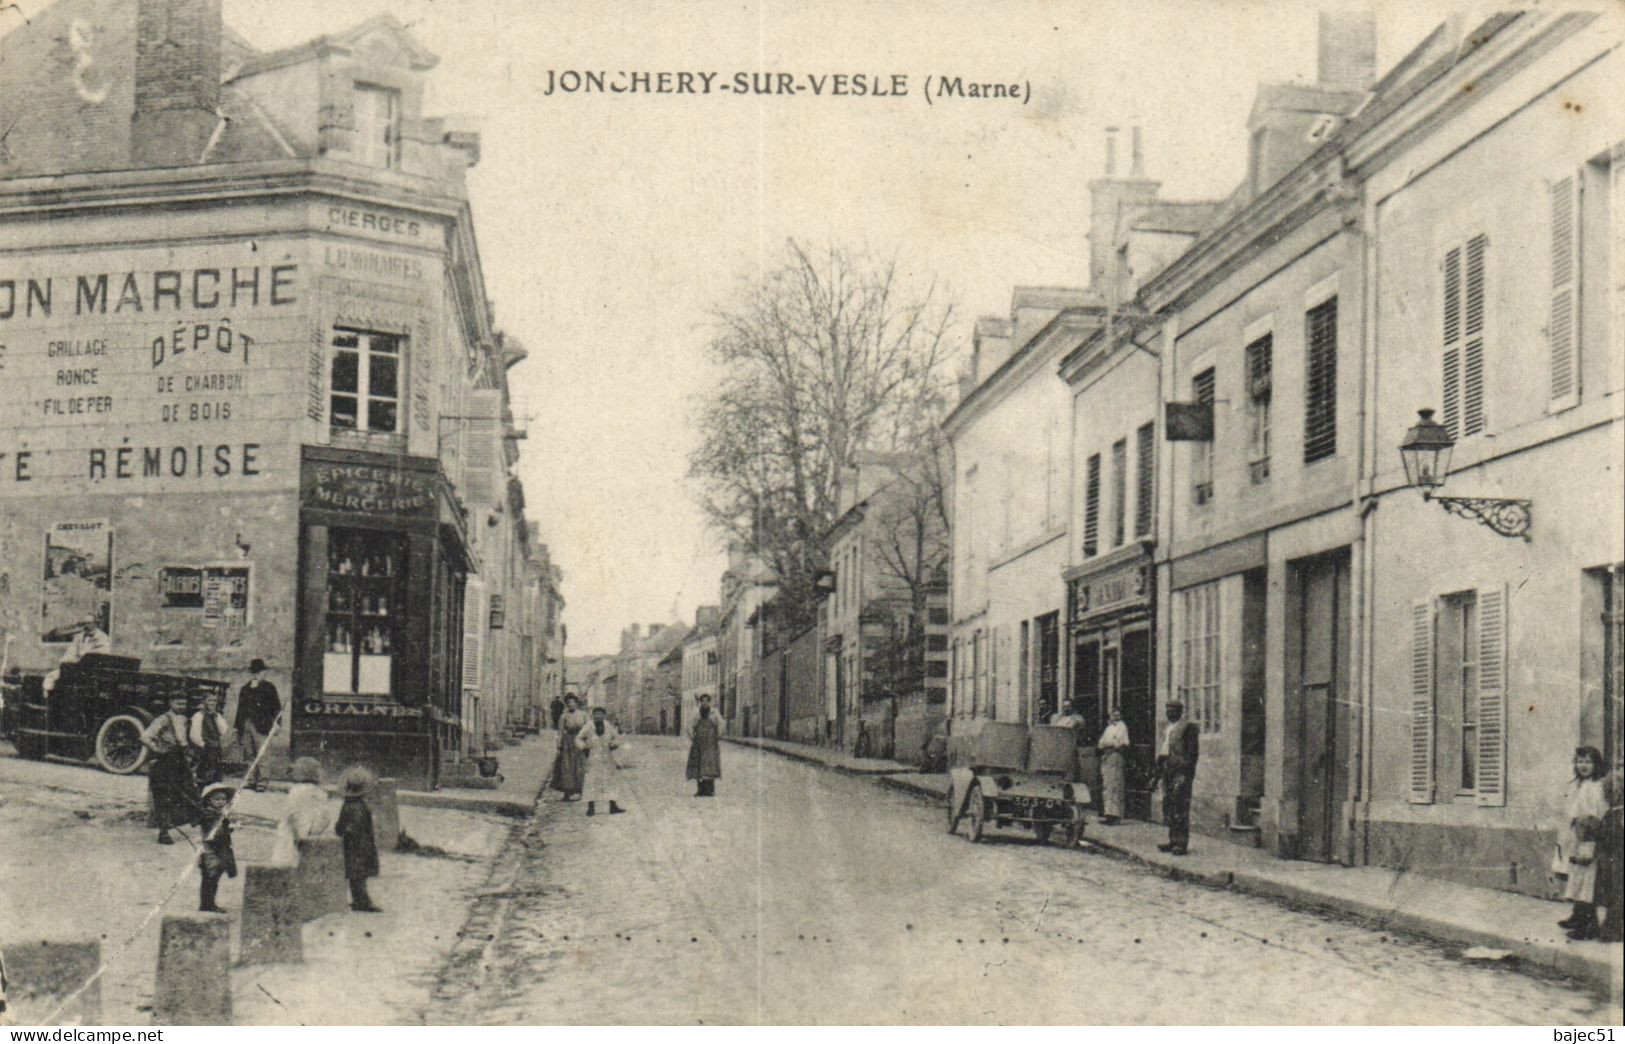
[(258, 706), (705, 750), (1176, 768)]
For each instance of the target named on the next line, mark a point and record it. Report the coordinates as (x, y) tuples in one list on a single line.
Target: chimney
[(1348, 50), (177, 81), (1109, 198)]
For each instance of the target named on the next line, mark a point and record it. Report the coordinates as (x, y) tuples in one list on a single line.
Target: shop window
[(1198, 671), (366, 381), (363, 606), (377, 126)]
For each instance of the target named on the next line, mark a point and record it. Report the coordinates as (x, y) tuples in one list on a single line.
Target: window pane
[(346, 339), (342, 411), (346, 372), (385, 343), (382, 371)]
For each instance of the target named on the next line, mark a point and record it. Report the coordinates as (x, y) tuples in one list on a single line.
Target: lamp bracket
[(1509, 518)]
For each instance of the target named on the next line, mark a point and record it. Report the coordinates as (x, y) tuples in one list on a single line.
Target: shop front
[(383, 565), (1110, 620)]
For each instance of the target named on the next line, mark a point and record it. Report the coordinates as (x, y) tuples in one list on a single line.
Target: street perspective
[(762, 513)]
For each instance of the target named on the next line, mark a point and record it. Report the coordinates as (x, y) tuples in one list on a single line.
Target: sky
[(611, 226)]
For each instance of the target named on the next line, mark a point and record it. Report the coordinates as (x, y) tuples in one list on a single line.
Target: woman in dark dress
[(208, 737), (569, 765)]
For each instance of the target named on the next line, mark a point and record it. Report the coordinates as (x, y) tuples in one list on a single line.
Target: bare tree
[(827, 354)]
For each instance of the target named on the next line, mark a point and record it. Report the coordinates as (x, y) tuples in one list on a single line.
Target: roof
[(1187, 218), (415, 54)]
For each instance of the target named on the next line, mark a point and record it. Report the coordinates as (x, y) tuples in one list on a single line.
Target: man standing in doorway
[(1176, 768), (258, 706)]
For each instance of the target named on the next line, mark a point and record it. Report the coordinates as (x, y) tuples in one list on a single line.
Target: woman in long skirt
[(569, 764), (208, 738), (1113, 746), (170, 783), (1575, 862)]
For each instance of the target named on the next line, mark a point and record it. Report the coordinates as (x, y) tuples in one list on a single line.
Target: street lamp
[(1426, 455)]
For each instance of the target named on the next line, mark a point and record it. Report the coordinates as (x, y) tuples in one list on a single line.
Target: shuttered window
[(1145, 448), (1492, 695), (1563, 328), (1202, 391), (1260, 363), (473, 632), (1091, 508), (1119, 491), (1463, 379), (1320, 390), (481, 452), (1422, 702), (1459, 697)]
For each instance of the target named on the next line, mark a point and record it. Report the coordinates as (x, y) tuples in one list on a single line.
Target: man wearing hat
[(1176, 768), (257, 708)]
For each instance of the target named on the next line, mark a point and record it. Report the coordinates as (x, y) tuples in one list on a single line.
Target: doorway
[(1134, 694), (1317, 676)]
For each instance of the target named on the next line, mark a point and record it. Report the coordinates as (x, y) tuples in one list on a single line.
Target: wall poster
[(78, 581)]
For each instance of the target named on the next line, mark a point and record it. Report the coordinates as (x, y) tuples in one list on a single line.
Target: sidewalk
[(88, 827), (838, 760), (1456, 914)]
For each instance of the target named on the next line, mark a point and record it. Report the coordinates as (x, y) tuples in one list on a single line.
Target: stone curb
[(1595, 969), (889, 769)]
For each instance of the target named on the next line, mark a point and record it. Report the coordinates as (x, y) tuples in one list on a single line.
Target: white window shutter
[(480, 453), (473, 632), (1473, 304), (1452, 342), (1422, 702), (1563, 329), (1492, 694)]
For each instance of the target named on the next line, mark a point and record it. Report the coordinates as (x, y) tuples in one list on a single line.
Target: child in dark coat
[(360, 850), (216, 857)]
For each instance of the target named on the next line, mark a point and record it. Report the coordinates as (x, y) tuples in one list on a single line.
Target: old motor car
[(97, 709), (1019, 776)]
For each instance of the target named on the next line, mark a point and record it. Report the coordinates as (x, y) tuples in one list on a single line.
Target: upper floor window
[(377, 125), (1119, 491), (1202, 452), (1144, 451), (1091, 508), (1259, 363), (1464, 337), (1320, 383), (366, 380)]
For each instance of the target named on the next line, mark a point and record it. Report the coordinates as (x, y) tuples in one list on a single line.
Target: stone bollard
[(386, 814), (194, 971), (41, 975), (271, 924), (319, 885)]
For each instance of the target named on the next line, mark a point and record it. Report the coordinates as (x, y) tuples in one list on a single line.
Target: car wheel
[(978, 812), (118, 744)]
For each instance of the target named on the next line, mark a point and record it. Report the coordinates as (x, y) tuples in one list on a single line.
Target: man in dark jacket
[(1176, 768), (257, 708), (705, 751), (360, 847)]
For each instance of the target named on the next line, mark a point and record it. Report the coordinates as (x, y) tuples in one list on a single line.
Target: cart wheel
[(118, 744), (1043, 831), (1074, 829), (978, 812)]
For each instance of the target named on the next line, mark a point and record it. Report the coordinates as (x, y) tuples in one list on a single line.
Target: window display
[(363, 576)]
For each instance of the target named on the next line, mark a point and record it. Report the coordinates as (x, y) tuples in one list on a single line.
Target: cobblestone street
[(801, 895)]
